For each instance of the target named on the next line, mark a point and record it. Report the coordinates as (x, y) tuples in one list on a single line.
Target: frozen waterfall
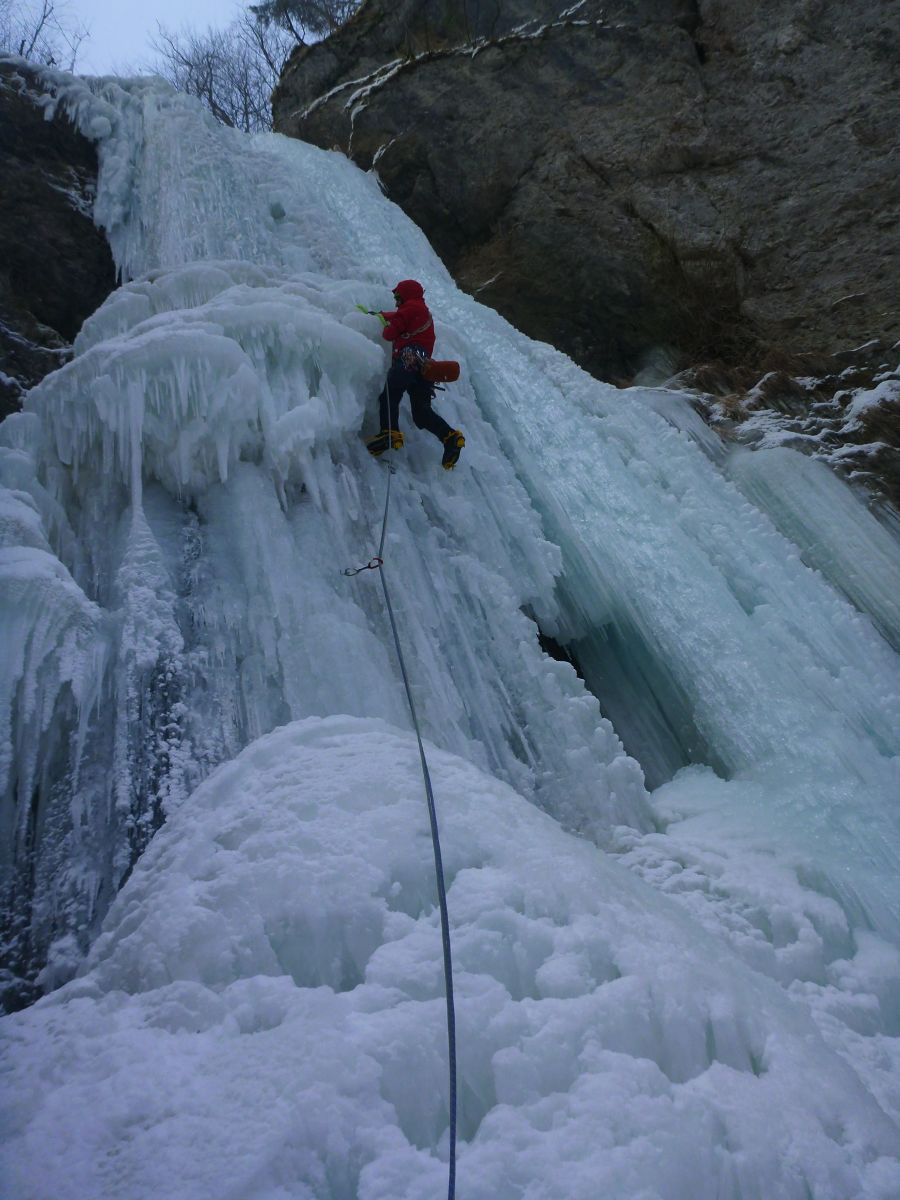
[(673, 872)]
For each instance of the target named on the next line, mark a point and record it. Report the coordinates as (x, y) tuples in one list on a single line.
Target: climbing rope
[(377, 564)]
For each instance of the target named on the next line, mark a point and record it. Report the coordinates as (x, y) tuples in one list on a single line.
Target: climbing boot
[(453, 443), (388, 437)]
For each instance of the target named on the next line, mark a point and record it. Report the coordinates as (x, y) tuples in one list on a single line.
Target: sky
[(120, 30)]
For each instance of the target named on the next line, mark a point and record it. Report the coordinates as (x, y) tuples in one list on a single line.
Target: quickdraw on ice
[(377, 563), (372, 565)]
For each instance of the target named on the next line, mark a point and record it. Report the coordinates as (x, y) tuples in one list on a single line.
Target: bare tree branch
[(316, 17), (232, 71), (43, 32), (40, 21)]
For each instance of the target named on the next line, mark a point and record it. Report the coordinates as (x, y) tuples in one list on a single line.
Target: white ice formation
[(698, 996)]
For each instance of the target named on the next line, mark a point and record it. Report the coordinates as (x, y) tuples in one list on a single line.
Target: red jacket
[(410, 324)]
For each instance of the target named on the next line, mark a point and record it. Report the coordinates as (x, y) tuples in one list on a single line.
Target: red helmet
[(409, 289)]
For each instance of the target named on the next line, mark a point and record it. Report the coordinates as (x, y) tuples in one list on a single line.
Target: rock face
[(679, 180), (843, 409), (55, 265)]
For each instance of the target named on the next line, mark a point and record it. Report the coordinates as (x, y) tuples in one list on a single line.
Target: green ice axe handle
[(370, 312)]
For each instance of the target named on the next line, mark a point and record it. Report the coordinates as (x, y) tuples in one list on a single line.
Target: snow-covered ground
[(696, 996), (263, 1016)]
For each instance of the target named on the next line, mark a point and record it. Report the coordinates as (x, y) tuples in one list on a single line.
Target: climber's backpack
[(436, 370)]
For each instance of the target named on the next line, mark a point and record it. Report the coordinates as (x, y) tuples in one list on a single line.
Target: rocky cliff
[(702, 189), (55, 265), (651, 180)]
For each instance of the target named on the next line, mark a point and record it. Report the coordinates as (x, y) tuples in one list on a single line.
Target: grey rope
[(377, 563)]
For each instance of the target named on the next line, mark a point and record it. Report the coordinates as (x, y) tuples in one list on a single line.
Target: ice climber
[(411, 330)]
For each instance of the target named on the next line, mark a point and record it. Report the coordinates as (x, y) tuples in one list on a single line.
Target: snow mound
[(269, 983)]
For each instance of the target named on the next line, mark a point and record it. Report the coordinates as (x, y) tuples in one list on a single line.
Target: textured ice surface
[(203, 459), (182, 498), (834, 532), (263, 1015)]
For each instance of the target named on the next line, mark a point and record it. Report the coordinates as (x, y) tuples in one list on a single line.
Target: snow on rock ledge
[(263, 1015)]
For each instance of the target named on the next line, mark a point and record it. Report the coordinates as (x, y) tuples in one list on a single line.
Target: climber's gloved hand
[(372, 312)]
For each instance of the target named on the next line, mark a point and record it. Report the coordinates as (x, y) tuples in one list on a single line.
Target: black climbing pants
[(400, 380)]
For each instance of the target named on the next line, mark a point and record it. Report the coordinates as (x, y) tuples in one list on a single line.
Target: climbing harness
[(412, 358), (377, 564), (415, 332)]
